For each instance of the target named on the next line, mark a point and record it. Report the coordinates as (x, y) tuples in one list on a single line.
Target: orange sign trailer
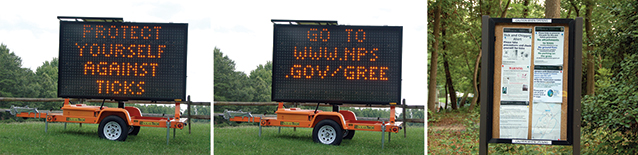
[(114, 123), (328, 127)]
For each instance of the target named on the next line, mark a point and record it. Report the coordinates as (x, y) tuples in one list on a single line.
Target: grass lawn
[(246, 140), (30, 138)]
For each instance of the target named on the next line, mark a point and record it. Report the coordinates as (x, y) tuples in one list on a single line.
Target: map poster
[(514, 120), (546, 119), (548, 84), (547, 100), (548, 45)]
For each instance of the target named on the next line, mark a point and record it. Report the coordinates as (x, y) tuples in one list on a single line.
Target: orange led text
[(119, 69), (120, 87), (121, 32), (349, 72)]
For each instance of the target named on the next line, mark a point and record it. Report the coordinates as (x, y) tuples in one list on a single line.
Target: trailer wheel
[(133, 130), (327, 132), (348, 134), (113, 128)]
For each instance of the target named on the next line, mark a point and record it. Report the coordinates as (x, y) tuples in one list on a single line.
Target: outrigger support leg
[(279, 130), (382, 134), (64, 125), (46, 123), (168, 129), (259, 129)]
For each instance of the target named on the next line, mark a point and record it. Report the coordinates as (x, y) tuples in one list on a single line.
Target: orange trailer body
[(295, 117), (81, 113), (114, 123)]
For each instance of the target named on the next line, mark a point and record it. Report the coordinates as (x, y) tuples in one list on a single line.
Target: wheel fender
[(337, 117), (133, 111), (115, 111), (348, 115)]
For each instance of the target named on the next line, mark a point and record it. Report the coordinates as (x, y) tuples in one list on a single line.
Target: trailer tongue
[(328, 127)]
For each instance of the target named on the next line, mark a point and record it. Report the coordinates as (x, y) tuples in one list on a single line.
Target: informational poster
[(517, 46), (546, 119), (515, 68), (515, 82), (548, 84), (548, 45), (514, 119)]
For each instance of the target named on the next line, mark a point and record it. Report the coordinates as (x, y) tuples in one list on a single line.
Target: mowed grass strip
[(30, 138), (246, 140)]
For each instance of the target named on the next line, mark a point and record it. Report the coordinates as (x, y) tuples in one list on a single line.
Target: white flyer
[(546, 119), (513, 120), (515, 67), (548, 84), (515, 82), (517, 46), (548, 45)]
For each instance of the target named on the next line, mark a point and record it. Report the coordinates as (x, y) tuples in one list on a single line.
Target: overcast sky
[(241, 29)]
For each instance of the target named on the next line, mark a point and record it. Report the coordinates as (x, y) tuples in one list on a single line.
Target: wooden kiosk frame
[(491, 80)]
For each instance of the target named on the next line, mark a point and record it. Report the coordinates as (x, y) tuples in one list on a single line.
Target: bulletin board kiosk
[(531, 82)]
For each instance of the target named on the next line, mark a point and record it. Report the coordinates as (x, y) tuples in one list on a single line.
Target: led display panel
[(337, 64), (122, 60)]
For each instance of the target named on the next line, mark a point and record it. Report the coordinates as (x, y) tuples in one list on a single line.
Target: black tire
[(133, 130), (327, 132), (348, 134), (116, 128)]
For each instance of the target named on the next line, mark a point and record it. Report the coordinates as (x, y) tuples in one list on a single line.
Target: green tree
[(47, 77), (261, 79), (230, 85), (612, 112), (15, 81)]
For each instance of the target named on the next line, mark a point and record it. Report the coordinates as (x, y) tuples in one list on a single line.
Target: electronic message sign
[(122, 60), (337, 64)]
